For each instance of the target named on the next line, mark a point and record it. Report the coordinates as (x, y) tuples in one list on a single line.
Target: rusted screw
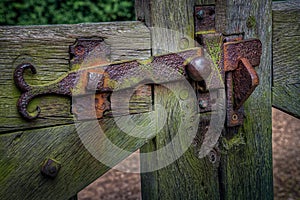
[(200, 14), (234, 117), (199, 68), (79, 50), (50, 168), (213, 156), (141, 19), (203, 104)]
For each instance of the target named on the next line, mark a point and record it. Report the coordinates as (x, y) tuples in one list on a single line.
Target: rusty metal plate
[(250, 49), (99, 105), (105, 78), (204, 19), (88, 52), (234, 117), (245, 80)]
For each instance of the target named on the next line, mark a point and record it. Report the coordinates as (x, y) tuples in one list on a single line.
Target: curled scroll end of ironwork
[(22, 106), (19, 78)]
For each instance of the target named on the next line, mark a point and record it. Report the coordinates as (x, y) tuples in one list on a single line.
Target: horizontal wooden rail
[(47, 48), (286, 57)]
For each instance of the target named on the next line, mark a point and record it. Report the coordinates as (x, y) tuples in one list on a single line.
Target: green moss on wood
[(233, 142), (213, 45), (22, 154), (6, 168), (251, 22)]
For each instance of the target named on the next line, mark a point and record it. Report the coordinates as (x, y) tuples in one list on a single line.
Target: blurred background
[(28, 12), (119, 185)]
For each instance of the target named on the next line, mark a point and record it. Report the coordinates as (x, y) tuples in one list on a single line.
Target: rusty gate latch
[(103, 79), (235, 58), (240, 77)]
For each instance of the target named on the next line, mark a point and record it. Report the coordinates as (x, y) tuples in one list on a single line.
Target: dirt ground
[(116, 185), (286, 156)]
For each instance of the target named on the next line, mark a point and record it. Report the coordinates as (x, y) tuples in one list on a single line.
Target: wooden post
[(189, 177), (245, 170), (246, 167)]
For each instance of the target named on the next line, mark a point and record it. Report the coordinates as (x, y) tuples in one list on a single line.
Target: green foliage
[(26, 12)]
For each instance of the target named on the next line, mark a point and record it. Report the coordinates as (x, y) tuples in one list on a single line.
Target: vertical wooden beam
[(245, 171), (174, 15), (246, 165), (189, 177)]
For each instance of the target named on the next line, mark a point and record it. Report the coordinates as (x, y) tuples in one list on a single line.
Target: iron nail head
[(50, 168)]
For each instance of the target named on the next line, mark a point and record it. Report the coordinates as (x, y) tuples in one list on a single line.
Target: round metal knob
[(199, 68)]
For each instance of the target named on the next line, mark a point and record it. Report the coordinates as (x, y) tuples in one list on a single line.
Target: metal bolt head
[(213, 156), (50, 168), (203, 104), (199, 68), (141, 18), (200, 14)]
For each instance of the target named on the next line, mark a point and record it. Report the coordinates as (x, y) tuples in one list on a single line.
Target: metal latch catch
[(235, 58)]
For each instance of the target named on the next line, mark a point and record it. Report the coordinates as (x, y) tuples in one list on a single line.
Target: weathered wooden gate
[(240, 165)]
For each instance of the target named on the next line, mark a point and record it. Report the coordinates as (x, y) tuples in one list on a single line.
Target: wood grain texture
[(172, 23), (286, 57), (47, 48), (144, 12), (189, 177), (22, 154), (246, 162)]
